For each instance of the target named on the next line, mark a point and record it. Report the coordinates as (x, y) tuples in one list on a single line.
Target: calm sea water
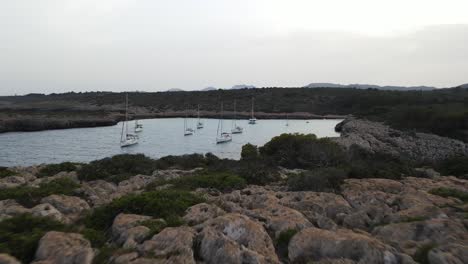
[(160, 137)]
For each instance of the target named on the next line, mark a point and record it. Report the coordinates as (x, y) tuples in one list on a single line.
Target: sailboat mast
[(222, 117), (126, 114), (252, 113), (235, 113), (198, 113)]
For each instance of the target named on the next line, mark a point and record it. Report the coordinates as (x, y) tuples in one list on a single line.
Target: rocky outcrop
[(64, 248), (234, 238), (71, 207), (7, 259), (202, 212), (127, 230), (10, 208), (377, 137), (313, 244), (172, 245)]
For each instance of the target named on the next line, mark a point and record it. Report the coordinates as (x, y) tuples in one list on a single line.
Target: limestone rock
[(64, 248), (172, 245), (9, 208), (7, 259), (173, 174), (71, 206), (199, 213), (127, 231), (99, 192), (47, 210), (11, 181), (234, 238), (313, 244)]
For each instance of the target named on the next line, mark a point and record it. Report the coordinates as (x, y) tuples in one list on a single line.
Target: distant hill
[(175, 90), (464, 86), (210, 88), (371, 86), (242, 86)]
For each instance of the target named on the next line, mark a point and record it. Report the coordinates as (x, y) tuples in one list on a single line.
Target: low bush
[(185, 162), (364, 164), (302, 151), (52, 169), (19, 235), (282, 241), (167, 204), (30, 196), (223, 181), (421, 254), (456, 166), (249, 152), (450, 192), (258, 172), (117, 168), (318, 180), (5, 172), (96, 237)]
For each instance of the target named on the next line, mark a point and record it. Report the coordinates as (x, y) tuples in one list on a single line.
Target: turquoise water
[(160, 137)]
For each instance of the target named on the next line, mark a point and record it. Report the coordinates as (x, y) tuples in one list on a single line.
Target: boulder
[(99, 192), (172, 245), (10, 208), (71, 206), (313, 244), (234, 238), (199, 213), (127, 231), (64, 248), (7, 259), (11, 182), (47, 210), (449, 253), (409, 236), (173, 173)]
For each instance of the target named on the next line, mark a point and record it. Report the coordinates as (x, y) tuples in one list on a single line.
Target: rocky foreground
[(370, 221)]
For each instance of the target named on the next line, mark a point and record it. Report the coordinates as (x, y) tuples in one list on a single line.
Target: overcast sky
[(116, 45)]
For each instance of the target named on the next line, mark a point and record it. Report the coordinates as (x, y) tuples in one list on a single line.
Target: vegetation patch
[(223, 181), (318, 180), (52, 169), (166, 204), (5, 172), (302, 151), (456, 166), (282, 241), (30, 196), (19, 235), (450, 192), (117, 168), (421, 254)]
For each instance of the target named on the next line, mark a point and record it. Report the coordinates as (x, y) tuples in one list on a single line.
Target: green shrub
[(449, 192), (258, 172), (185, 162), (456, 166), (161, 204), (30, 196), (421, 253), (249, 152), (5, 172), (96, 237), (319, 180), (282, 241), (19, 235), (223, 181), (117, 168), (52, 169), (364, 164), (302, 151)]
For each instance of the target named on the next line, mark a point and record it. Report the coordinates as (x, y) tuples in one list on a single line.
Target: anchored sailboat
[(221, 136), (127, 139), (188, 131), (236, 129), (252, 119), (138, 127), (199, 122), (287, 120)]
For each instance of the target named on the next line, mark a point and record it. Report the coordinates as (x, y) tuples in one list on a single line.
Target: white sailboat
[(199, 122), (252, 119), (236, 129), (138, 127), (188, 131), (127, 139), (221, 136)]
